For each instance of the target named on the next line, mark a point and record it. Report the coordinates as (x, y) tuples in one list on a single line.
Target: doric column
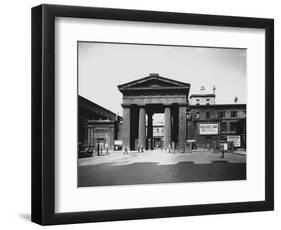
[(85, 141), (92, 136), (111, 143), (182, 127), (142, 127), (88, 136), (167, 127), (126, 126), (149, 130)]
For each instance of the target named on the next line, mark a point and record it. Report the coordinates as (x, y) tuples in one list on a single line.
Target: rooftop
[(203, 95), (218, 106)]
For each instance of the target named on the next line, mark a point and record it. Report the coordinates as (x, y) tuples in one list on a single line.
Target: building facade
[(149, 95), (97, 126), (209, 123), (202, 99), (201, 124), (158, 135)]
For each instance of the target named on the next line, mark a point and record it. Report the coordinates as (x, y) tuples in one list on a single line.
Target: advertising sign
[(118, 142), (223, 146), (209, 129), (235, 139)]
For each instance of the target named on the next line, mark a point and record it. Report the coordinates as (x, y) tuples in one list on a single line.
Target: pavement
[(162, 158), (159, 167), (241, 152)]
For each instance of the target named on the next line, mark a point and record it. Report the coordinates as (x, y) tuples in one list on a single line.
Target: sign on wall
[(235, 139), (209, 129), (118, 142)]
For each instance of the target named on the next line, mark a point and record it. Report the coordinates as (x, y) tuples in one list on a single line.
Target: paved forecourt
[(158, 166)]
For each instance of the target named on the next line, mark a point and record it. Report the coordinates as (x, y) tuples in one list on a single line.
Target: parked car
[(86, 152)]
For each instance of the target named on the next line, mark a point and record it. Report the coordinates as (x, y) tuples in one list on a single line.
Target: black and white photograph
[(154, 113), (150, 113)]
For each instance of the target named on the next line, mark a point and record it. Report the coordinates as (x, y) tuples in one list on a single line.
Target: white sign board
[(209, 129), (235, 139), (118, 142), (223, 146)]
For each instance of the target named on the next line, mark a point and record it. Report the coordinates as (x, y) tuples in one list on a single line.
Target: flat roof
[(203, 95), (218, 106)]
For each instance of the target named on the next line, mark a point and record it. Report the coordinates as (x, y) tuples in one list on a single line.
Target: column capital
[(167, 105)]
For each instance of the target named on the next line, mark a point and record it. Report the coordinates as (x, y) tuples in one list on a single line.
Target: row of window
[(157, 130), (221, 114), (207, 101), (223, 128)]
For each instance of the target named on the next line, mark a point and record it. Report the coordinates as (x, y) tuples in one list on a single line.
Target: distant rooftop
[(92, 106), (203, 95), (234, 105)]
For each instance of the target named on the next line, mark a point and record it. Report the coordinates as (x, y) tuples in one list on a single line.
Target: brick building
[(96, 126), (210, 122)]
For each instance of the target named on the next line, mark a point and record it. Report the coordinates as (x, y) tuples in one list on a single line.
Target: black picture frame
[(43, 114)]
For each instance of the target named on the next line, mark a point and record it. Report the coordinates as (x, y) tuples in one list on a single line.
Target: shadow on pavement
[(153, 173)]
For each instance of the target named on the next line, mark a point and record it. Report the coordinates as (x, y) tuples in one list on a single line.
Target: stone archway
[(149, 95)]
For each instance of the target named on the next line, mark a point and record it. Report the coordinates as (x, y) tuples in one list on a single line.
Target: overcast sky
[(103, 66)]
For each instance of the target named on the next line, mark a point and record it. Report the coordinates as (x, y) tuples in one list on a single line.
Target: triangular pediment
[(153, 81)]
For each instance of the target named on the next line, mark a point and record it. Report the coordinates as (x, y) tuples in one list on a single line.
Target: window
[(221, 114), (208, 99), (223, 127), (233, 113), (207, 114), (232, 127)]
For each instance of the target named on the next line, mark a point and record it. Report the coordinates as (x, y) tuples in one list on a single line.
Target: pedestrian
[(169, 148), (98, 149), (106, 147), (222, 151), (125, 150)]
